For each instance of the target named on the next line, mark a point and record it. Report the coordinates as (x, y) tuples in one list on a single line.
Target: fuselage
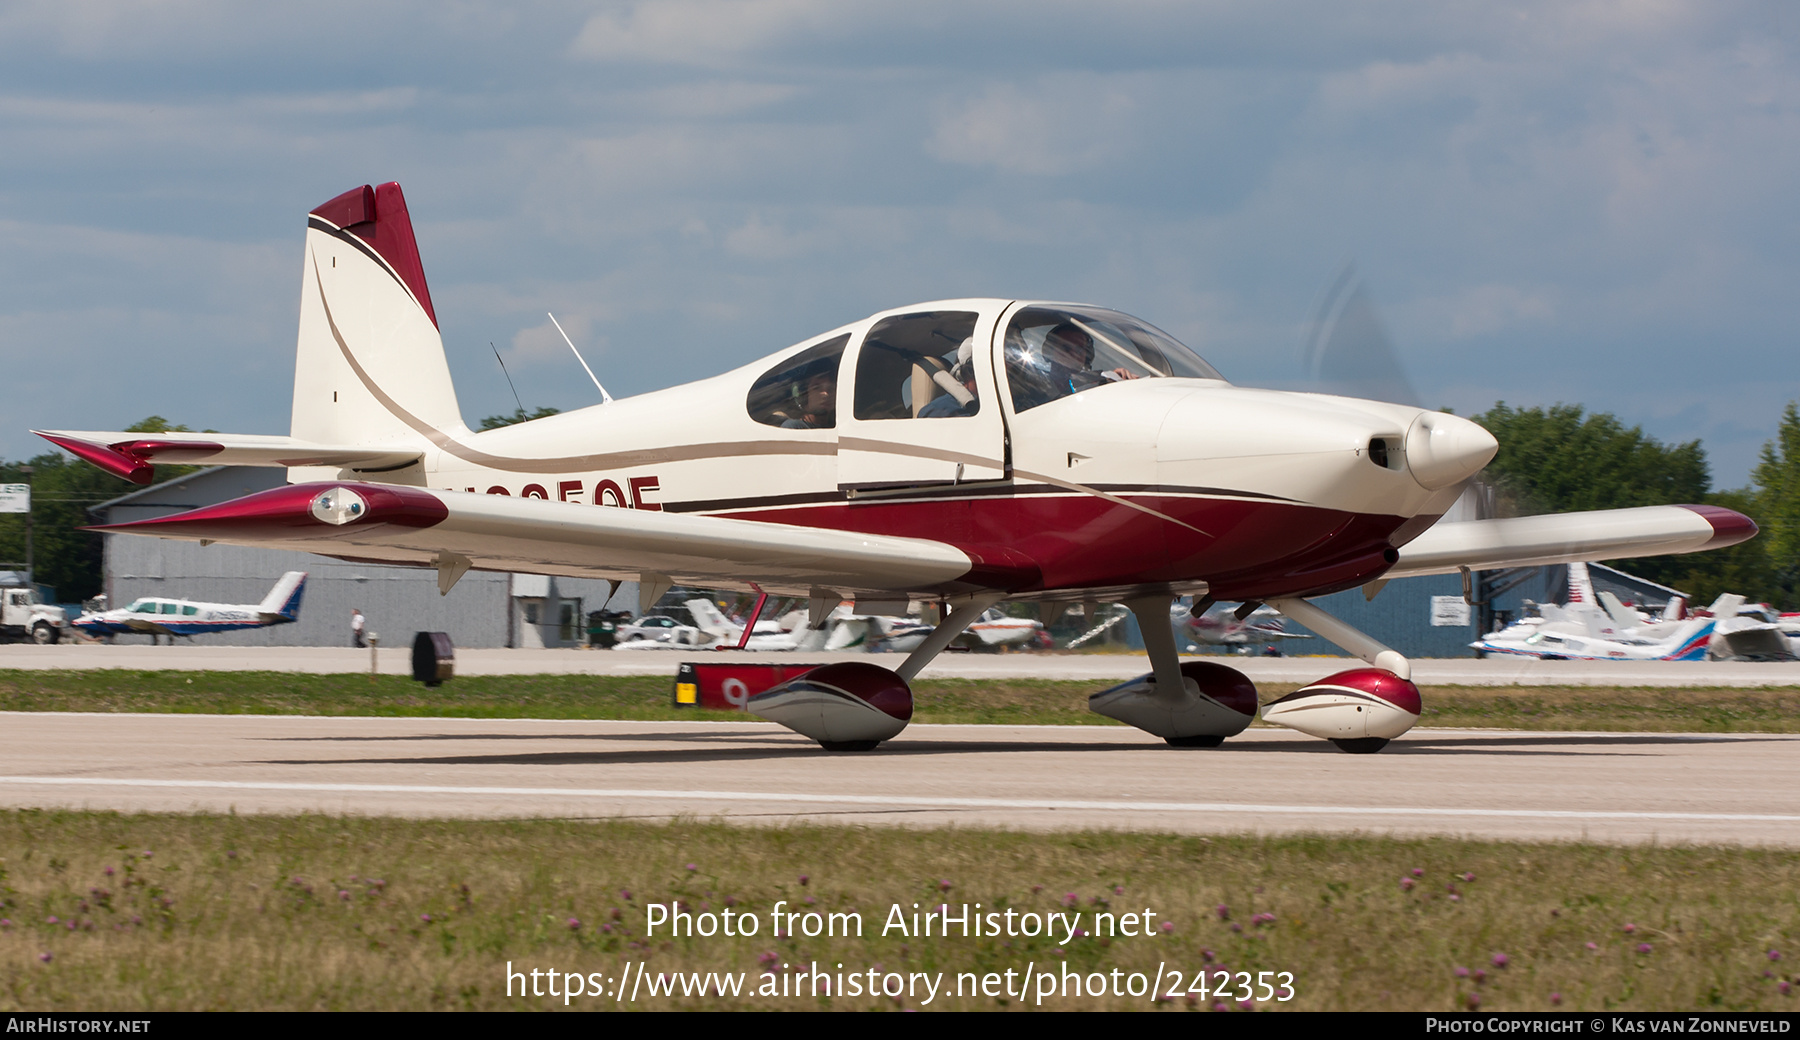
[(1148, 470)]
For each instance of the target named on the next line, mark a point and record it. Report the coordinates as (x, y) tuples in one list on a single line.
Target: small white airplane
[(159, 616), (994, 630), (1599, 627), (1554, 641), (1219, 625), (964, 451)]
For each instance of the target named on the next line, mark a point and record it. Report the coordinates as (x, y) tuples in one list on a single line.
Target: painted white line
[(888, 801)]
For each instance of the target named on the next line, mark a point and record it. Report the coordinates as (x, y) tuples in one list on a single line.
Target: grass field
[(1010, 701), (197, 912), (101, 911)]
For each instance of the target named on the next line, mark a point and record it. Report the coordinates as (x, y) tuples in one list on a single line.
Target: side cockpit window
[(801, 392), (918, 366)]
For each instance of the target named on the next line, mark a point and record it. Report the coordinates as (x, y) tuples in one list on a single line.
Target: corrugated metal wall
[(397, 601)]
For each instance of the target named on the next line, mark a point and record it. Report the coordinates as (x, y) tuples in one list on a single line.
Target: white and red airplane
[(969, 451)]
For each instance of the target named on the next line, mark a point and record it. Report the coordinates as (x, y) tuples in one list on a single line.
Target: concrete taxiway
[(1618, 787), (1294, 671)]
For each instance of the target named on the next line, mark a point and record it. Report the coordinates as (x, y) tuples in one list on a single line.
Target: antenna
[(605, 398), (508, 376)]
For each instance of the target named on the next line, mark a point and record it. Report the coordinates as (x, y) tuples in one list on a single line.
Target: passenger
[(945, 405), (815, 403)]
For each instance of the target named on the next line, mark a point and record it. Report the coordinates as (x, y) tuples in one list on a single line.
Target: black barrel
[(434, 659)]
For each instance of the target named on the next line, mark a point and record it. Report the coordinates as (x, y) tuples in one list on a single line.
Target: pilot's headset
[(964, 368)]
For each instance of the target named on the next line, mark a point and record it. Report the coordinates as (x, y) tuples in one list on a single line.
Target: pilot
[(815, 398), (1062, 369)]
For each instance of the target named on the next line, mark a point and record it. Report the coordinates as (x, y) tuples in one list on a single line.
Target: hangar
[(485, 609)]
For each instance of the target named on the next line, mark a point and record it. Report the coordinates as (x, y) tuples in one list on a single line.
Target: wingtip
[(1729, 526), (105, 456)]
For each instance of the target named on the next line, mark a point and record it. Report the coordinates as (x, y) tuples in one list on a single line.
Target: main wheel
[(1200, 740), (849, 745), (1362, 745), (43, 634)]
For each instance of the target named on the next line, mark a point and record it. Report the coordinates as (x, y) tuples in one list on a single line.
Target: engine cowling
[(1359, 710), (850, 706), (1219, 702)]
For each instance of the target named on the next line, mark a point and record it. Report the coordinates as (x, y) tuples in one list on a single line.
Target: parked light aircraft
[(1598, 627), (969, 451), (1560, 640), (1220, 626), (161, 616)]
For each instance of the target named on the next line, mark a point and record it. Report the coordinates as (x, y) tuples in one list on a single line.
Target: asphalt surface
[(1294, 671), (1620, 787)]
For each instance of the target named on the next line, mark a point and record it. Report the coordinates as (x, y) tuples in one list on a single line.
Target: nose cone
[(1442, 449)]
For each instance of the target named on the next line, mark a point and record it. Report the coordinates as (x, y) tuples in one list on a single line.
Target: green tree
[(1558, 459), (494, 422)]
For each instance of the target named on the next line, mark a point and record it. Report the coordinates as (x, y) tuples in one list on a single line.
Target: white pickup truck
[(24, 616)]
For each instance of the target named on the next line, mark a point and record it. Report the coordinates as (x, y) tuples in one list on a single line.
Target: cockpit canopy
[(1053, 352), (922, 364)]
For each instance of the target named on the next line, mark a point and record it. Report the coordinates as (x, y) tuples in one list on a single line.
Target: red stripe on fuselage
[(1249, 549)]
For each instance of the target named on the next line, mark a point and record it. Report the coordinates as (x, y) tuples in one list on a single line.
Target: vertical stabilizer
[(283, 601), (709, 620), (370, 368), (1581, 587), (1622, 616), (1690, 641)]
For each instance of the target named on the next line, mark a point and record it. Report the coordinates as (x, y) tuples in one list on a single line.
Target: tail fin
[(283, 601), (709, 620), (1581, 587), (370, 367), (1621, 615), (1690, 642)]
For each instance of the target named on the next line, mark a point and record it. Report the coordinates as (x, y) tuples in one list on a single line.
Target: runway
[(1276, 671), (1617, 787)]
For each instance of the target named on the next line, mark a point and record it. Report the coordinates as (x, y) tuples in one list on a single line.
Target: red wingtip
[(1729, 526), (378, 216), (108, 458)]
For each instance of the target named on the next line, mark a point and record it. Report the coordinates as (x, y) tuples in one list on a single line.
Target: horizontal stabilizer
[(394, 524), (131, 455), (1606, 534)]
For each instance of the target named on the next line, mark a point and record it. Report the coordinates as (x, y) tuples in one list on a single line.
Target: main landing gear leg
[(855, 705), (1197, 704), (1359, 710), (961, 616)]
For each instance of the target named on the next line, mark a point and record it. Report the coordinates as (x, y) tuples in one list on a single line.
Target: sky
[(1571, 201)]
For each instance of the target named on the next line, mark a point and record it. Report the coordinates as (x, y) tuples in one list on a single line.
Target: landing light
[(338, 506)]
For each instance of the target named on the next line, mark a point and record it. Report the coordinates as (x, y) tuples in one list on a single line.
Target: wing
[(455, 531), (1606, 534), (131, 455)]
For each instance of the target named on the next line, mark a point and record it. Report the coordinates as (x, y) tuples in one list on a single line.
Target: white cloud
[(697, 31), (1052, 126)]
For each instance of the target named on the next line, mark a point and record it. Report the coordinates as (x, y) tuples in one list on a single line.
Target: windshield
[(1053, 352)]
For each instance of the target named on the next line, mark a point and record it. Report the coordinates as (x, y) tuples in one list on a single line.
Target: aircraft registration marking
[(606, 492)]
